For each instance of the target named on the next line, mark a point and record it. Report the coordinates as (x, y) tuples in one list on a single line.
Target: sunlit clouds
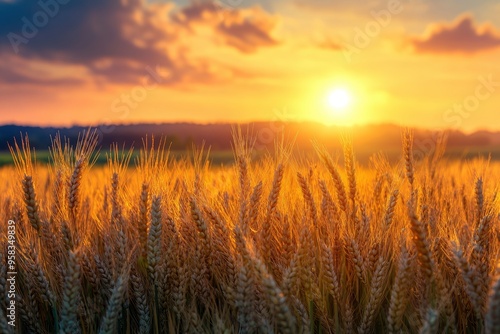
[(239, 61)]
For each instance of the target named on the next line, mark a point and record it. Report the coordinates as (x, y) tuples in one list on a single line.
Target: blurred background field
[(226, 157), (183, 137)]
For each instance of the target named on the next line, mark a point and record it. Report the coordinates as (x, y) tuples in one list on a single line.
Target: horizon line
[(98, 125)]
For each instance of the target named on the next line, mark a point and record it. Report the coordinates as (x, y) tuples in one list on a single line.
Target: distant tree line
[(183, 136)]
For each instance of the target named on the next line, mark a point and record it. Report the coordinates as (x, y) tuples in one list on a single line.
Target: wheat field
[(285, 244)]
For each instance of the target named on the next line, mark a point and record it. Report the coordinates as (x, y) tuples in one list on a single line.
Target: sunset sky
[(432, 64)]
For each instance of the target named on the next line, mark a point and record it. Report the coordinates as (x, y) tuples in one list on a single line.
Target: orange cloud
[(246, 30), (330, 44), (115, 41), (460, 37)]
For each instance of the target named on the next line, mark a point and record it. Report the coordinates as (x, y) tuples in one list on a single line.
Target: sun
[(339, 99)]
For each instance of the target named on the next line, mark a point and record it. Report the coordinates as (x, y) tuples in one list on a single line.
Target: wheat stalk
[(408, 156), (376, 295), (31, 202), (41, 282), (356, 257), (337, 179), (472, 282), (277, 300), (267, 231), (4, 325), (71, 296), (108, 323), (306, 192), (144, 210), (399, 293), (479, 197), (253, 211), (350, 168), (389, 214), (141, 300), (492, 319), (154, 240), (328, 207), (431, 323), (74, 187), (423, 248)]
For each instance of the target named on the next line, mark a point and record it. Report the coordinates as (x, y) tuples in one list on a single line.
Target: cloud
[(246, 30), (330, 44), (361, 8), (460, 37), (82, 32), (115, 40), (16, 71), (13, 77)]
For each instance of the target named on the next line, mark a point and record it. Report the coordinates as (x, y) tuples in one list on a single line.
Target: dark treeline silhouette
[(218, 136)]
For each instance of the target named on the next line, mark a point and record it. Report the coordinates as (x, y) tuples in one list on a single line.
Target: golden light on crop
[(339, 100)]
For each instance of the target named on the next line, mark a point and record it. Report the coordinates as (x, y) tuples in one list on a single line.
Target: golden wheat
[(178, 246)]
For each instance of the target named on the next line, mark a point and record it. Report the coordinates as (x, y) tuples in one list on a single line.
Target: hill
[(367, 139)]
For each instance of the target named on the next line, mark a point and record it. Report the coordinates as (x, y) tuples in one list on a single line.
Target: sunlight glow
[(339, 99)]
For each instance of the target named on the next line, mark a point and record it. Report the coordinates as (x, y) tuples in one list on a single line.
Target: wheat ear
[(4, 325), (74, 187), (141, 300), (108, 323), (69, 313), (423, 248), (492, 319), (376, 295), (277, 300), (154, 240), (431, 323), (399, 293), (31, 202)]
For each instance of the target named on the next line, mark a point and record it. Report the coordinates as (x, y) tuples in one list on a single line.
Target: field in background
[(217, 158), (226, 157), (283, 244)]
